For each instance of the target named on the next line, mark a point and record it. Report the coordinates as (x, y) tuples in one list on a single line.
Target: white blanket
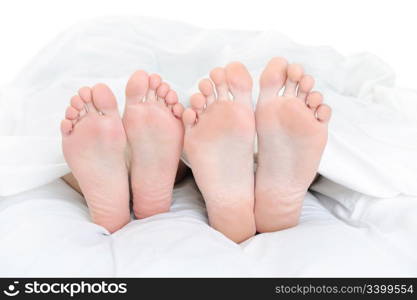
[(369, 166), (47, 232)]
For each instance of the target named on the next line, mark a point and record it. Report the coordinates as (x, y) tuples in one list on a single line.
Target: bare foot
[(94, 143), (218, 143), (155, 136), (292, 134)]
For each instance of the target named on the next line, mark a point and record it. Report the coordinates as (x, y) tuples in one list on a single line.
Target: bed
[(359, 218)]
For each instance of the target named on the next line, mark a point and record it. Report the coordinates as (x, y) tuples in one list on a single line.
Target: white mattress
[(361, 220)]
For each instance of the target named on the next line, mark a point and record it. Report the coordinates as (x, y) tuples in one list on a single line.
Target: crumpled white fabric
[(373, 133), (47, 232), (369, 167)]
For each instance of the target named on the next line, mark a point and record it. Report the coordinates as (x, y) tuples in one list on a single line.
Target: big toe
[(189, 118), (273, 78), (240, 82), (104, 99), (137, 87)]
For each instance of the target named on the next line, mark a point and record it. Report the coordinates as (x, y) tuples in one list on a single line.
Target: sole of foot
[(152, 121), (291, 123), (218, 143), (94, 144)]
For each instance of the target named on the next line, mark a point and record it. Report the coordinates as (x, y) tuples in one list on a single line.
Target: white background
[(385, 28)]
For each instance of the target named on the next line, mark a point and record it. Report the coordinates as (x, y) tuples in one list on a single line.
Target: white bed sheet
[(361, 220), (47, 232)]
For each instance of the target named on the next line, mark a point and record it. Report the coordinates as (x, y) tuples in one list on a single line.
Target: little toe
[(104, 99), (218, 76), (86, 96), (66, 127), (294, 74), (240, 82), (323, 113), (198, 101), (178, 110), (137, 87), (206, 88), (189, 118), (154, 82), (273, 78), (314, 99), (305, 86)]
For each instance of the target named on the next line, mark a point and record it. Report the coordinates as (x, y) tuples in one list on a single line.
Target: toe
[(77, 103), (273, 78), (171, 97), (294, 74), (218, 76), (198, 101), (71, 113), (154, 82), (240, 82), (162, 91), (86, 96), (189, 118), (305, 86), (206, 88), (178, 110), (85, 93), (66, 127), (104, 99), (137, 87), (314, 99), (323, 113)]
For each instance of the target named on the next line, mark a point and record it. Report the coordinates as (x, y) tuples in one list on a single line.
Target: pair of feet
[(217, 135), (104, 150)]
